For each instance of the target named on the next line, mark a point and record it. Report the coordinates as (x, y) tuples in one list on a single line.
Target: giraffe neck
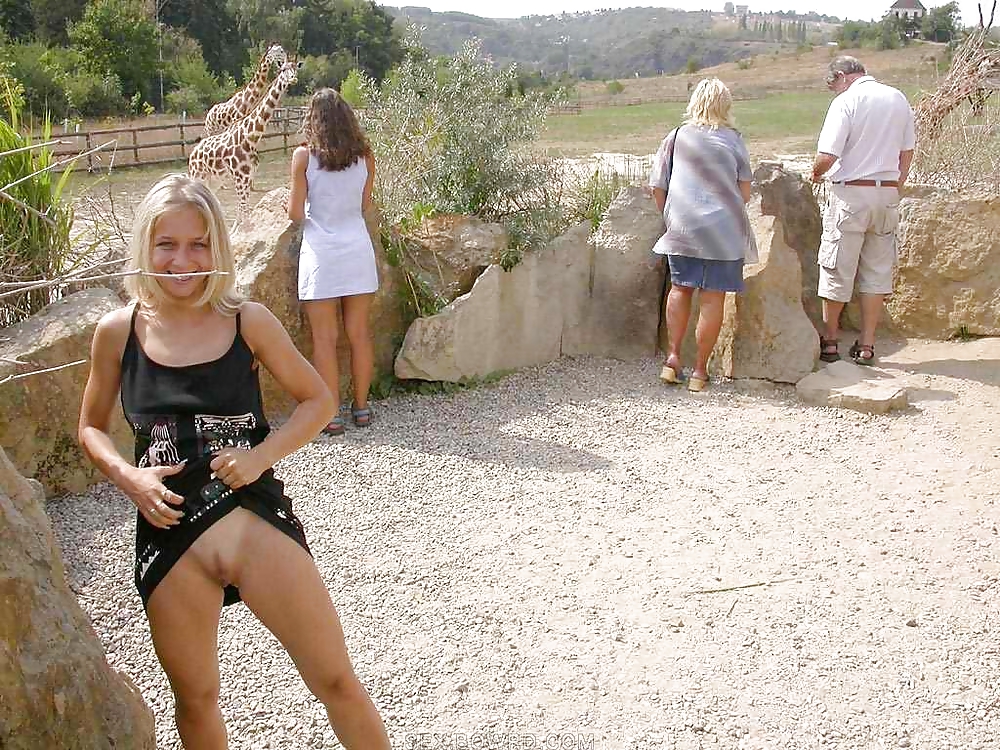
[(248, 95), (254, 125)]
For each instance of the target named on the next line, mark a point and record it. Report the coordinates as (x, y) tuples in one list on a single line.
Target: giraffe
[(233, 152), (224, 114), (975, 67)]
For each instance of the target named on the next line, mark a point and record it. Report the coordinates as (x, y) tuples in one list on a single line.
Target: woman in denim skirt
[(701, 183)]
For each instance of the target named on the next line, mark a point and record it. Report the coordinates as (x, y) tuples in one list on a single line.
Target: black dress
[(193, 412)]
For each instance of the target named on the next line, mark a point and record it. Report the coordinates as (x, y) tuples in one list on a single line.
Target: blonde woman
[(701, 183), (213, 525)]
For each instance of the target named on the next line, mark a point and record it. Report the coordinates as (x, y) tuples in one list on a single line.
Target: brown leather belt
[(870, 183)]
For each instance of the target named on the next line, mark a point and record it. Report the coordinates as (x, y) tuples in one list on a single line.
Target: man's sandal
[(828, 350), (362, 417), (863, 354), (335, 427)]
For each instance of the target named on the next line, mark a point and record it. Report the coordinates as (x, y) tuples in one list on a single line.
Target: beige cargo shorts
[(859, 241)]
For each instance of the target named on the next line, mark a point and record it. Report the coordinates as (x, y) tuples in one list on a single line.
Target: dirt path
[(580, 557)]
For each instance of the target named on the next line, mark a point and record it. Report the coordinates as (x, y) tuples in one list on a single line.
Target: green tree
[(214, 27), (360, 27), (117, 38), (16, 19), (52, 18), (266, 22), (941, 24)]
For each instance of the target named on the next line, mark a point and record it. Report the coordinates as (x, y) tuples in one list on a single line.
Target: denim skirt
[(710, 275)]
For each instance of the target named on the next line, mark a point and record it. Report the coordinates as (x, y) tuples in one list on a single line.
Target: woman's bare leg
[(183, 616), (357, 311), (322, 316), (279, 582), (678, 316), (710, 308)]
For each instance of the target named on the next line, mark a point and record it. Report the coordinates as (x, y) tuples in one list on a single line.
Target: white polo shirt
[(866, 127)]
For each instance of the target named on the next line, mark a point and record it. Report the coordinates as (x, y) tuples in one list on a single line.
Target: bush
[(34, 247), (615, 87), (693, 65), (323, 71), (452, 135), (196, 89), (744, 63), (448, 134), (89, 95), (38, 70), (352, 89)]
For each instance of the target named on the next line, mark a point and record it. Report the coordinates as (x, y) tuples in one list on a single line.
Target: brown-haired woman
[(332, 177)]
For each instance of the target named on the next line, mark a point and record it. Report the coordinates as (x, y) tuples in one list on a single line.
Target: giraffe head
[(276, 55), (289, 73)]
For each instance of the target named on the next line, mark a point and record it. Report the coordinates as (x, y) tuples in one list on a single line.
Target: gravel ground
[(580, 557)]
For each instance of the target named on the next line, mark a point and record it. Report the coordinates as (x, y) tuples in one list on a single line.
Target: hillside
[(610, 43), (911, 68)]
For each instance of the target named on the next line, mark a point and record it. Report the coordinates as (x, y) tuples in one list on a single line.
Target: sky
[(852, 9)]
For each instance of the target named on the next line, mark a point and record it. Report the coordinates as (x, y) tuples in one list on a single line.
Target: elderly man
[(865, 150)]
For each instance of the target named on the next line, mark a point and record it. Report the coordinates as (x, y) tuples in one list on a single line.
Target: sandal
[(671, 375), (697, 384), (335, 427), (863, 354), (362, 417), (828, 350)]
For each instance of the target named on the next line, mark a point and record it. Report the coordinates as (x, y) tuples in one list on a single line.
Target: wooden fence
[(163, 144)]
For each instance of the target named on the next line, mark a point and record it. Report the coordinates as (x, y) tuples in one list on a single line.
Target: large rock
[(448, 252), (58, 690), (621, 314), (40, 412), (846, 385), (948, 271), (509, 319), (769, 337), (267, 255), (786, 195)]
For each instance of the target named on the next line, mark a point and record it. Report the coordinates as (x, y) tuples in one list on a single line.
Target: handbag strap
[(666, 263)]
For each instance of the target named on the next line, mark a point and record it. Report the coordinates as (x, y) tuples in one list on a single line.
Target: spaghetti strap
[(135, 313)]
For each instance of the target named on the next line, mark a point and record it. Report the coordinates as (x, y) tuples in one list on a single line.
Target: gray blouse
[(705, 216)]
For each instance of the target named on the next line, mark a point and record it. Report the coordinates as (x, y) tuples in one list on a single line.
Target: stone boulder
[(788, 196), (767, 334), (40, 412), (847, 386), (58, 690), (948, 271), (266, 245), (622, 311), (509, 319), (448, 252)]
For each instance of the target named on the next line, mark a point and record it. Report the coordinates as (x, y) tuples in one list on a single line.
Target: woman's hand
[(145, 488), (238, 467)]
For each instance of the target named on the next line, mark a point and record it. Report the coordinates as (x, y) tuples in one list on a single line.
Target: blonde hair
[(173, 192), (710, 104)]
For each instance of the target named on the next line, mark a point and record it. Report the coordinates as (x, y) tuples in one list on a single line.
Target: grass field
[(780, 123)]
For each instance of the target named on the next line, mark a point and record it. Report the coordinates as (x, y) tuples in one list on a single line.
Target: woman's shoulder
[(117, 322), (113, 329), (301, 154)]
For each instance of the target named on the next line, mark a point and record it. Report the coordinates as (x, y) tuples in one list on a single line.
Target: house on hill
[(908, 10)]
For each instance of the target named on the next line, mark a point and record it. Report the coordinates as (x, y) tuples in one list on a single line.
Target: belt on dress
[(870, 183)]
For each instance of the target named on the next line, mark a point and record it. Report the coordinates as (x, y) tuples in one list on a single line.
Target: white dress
[(337, 258)]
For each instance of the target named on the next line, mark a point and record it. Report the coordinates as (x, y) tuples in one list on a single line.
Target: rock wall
[(58, 690), (948, 273), (40, 413), (508, 320)]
